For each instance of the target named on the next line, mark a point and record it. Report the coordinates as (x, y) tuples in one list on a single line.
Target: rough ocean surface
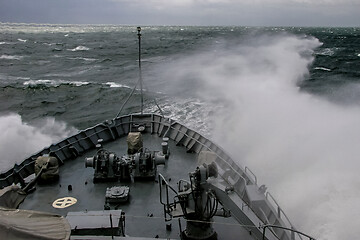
[(283, 101)]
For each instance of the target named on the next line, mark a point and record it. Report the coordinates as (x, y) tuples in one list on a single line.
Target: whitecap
[(79, 48), (39, 82), (49, 44), (11, 57), (54, 83), (326, 51), (1, 43), (322, 68), (78, 83), (116, 85), (22, 40), (358, 55)]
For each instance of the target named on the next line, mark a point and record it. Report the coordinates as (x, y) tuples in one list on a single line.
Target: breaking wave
[(53, 83), (323, 69), (116, 85), (57, 83), (326, 51)]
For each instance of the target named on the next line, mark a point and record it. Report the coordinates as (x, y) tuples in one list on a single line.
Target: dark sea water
[(283, 101)]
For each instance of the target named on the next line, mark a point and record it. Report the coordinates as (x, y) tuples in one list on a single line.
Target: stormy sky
[(184, 12)]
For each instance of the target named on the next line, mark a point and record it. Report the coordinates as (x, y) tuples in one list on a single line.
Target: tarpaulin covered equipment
[(25, 224)]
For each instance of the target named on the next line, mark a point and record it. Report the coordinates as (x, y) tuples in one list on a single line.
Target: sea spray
[(18, 140), (302, 147)]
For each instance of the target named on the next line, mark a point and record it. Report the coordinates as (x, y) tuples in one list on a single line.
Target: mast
[(140, 75), (140, 80)]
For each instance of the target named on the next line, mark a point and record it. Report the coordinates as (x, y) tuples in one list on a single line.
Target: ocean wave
[(66, 29), (8, 80), (53, 83), (83, 58), (57, 83), (107, 60), (326, 52), (11, 57), (18, 78), (192, 111), (79, 48), (322, 68), (156, 59), (117, 85)]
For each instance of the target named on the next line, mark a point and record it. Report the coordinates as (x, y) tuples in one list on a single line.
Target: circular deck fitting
[(64, 202)]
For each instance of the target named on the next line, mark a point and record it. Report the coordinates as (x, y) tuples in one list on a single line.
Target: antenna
[(140, 75), (141, 84)]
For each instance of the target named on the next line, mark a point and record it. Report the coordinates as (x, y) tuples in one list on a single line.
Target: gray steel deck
[(144, 196)]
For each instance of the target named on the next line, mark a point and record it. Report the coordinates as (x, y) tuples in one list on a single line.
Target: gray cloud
[(184, 12)]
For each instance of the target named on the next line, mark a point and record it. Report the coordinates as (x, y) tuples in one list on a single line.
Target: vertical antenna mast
[(140, 76)]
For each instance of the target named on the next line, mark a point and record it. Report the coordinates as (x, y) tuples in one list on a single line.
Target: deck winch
[(139, 163), (198, 204)]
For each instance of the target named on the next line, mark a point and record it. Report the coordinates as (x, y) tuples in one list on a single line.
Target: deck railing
[(85, 140)]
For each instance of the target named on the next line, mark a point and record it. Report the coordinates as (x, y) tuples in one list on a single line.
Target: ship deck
[(144, 213)]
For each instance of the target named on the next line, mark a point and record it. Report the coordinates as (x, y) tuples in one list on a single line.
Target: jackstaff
[(140, 76)]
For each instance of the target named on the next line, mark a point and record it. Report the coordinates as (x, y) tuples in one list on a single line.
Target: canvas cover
[(135, 142), (25, 224), (51, 168), (11, 196)]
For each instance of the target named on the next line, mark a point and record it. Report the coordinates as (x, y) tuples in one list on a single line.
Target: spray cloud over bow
[(19, 140), (303, 147)]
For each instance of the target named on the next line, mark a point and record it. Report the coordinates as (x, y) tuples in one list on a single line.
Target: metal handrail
[(289, 229), (281, 212), (279, 209), (166, 205), (248, 169)]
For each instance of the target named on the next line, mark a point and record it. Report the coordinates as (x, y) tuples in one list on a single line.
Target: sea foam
[(53, 83), (116, 85), (322, 68), (79, 48), (11, 57)]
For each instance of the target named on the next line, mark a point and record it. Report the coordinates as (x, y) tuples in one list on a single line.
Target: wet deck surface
[(144, 195)]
